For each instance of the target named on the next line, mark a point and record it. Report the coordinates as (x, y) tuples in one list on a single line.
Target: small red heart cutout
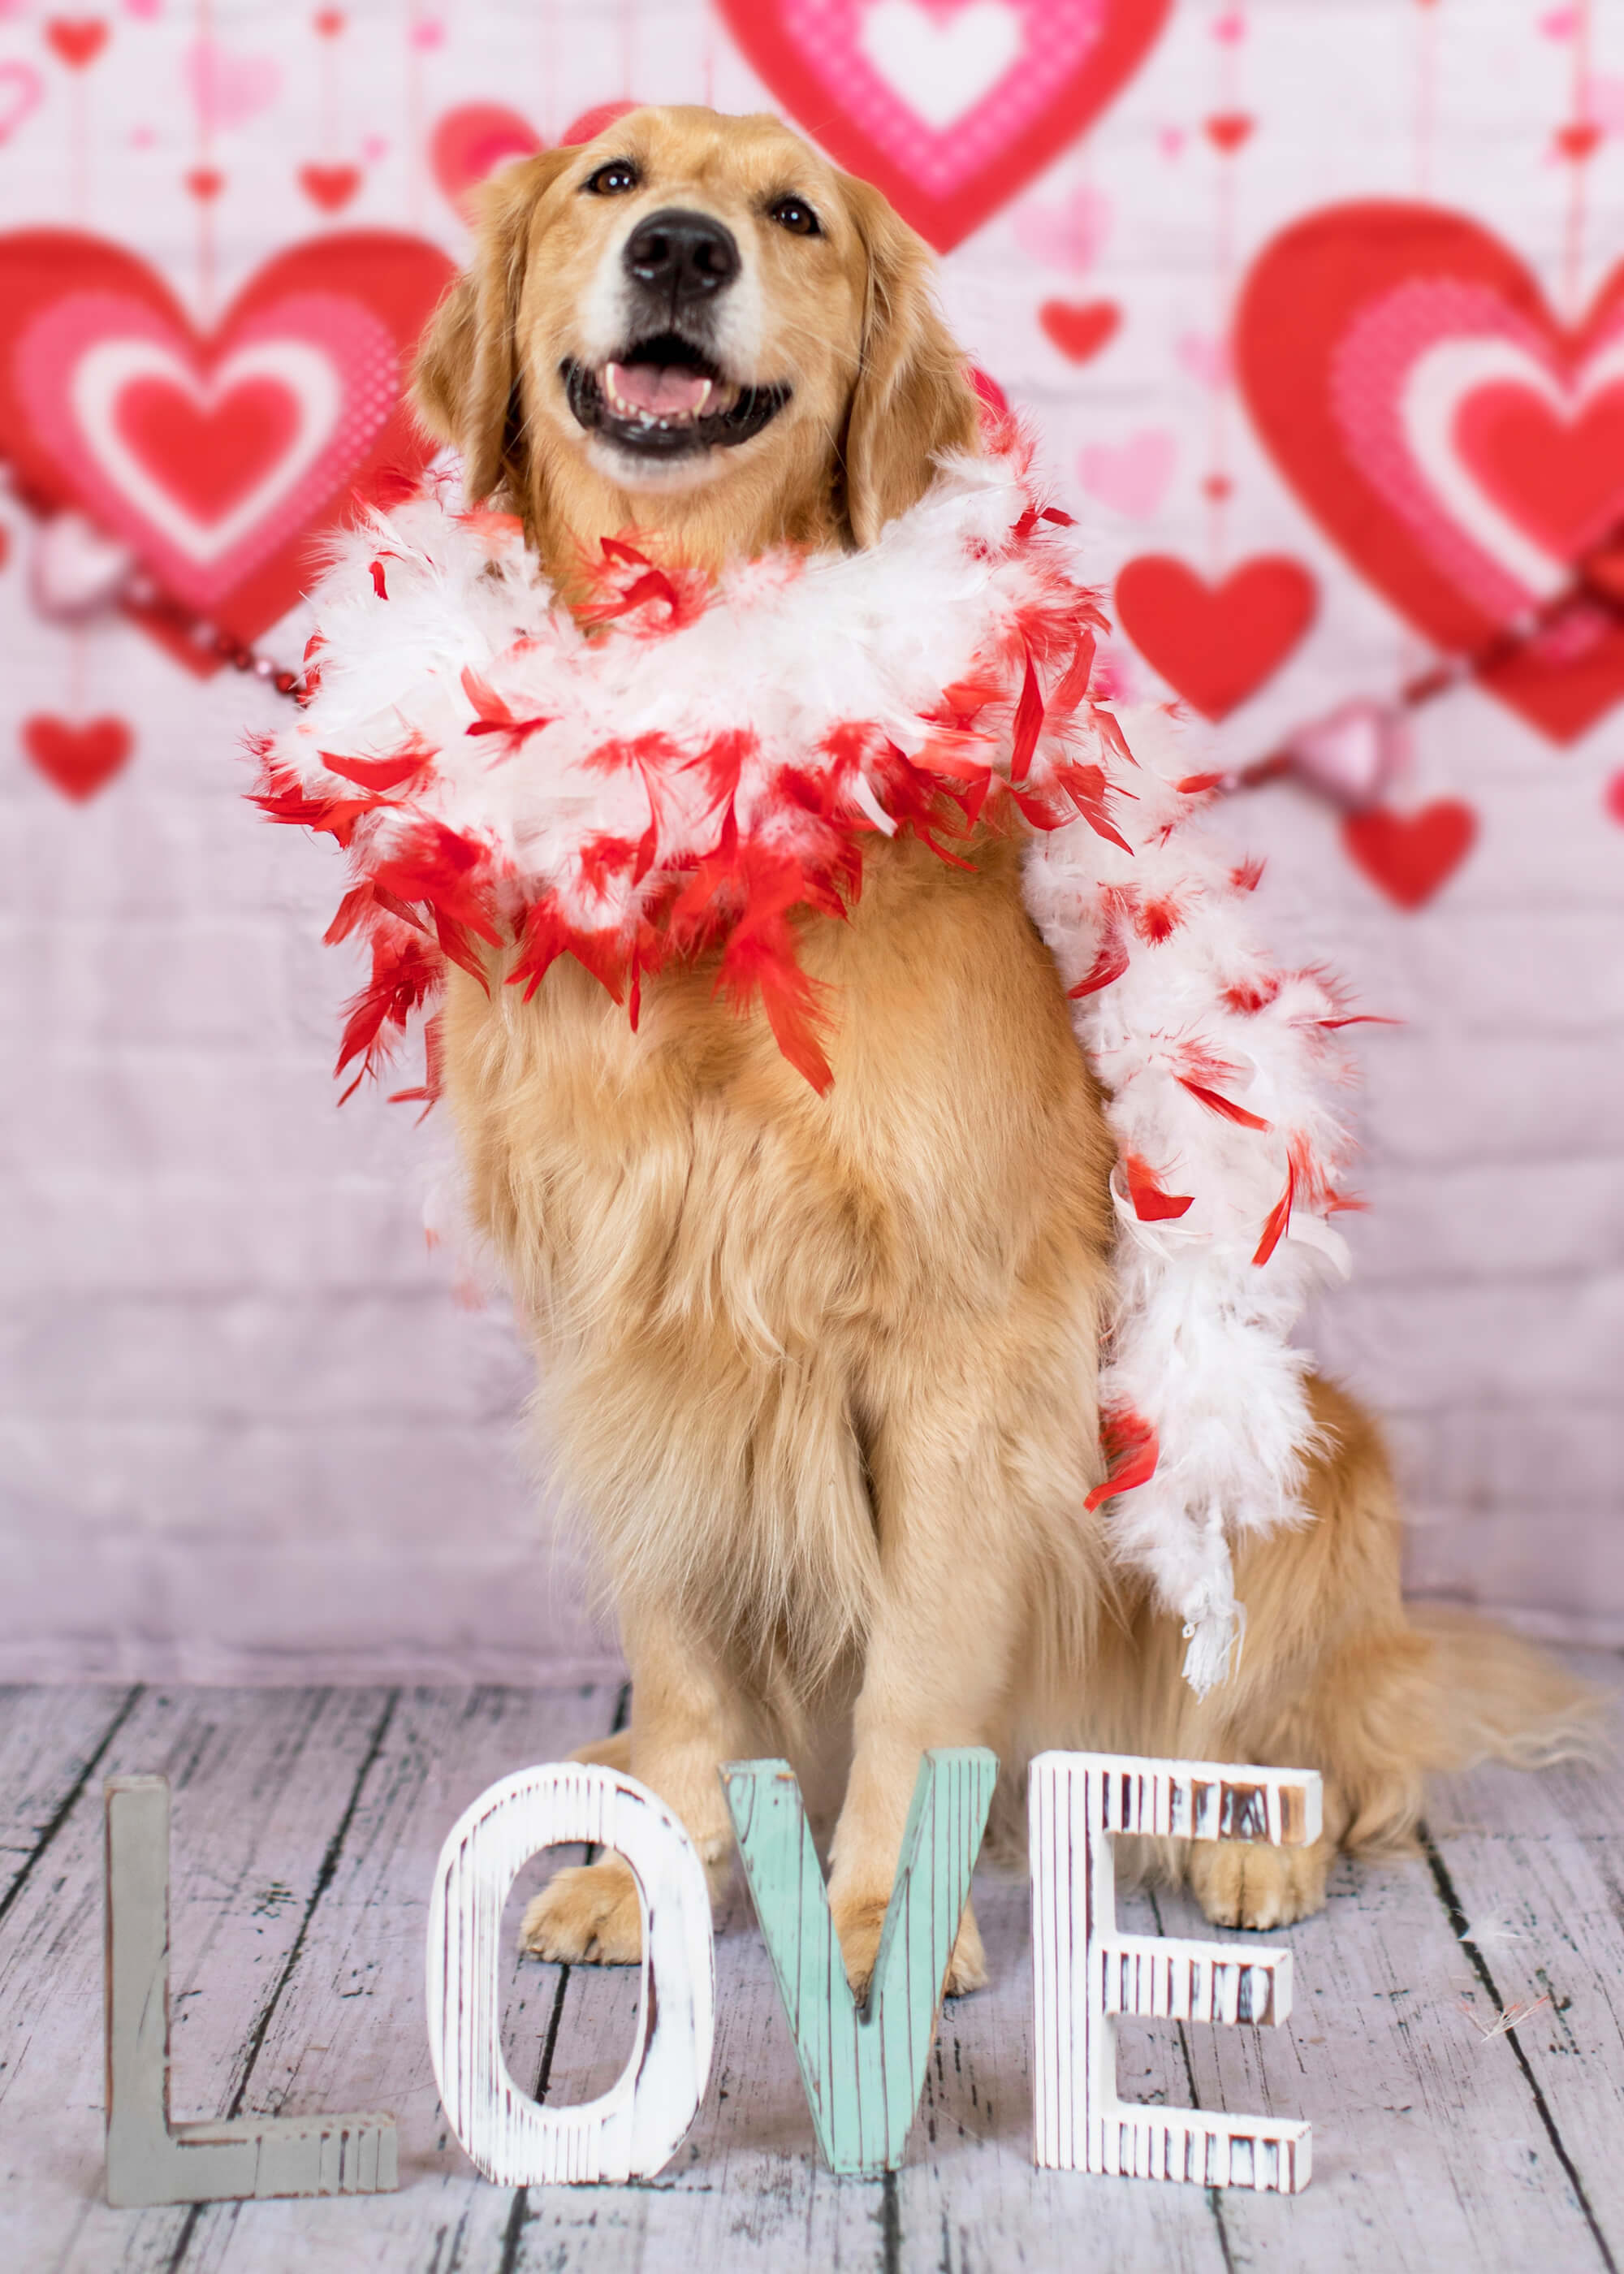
[(1079, 330), (1578, 138), (1409, 855), (77, 758), (328, 23), (330, 188), (1215, 644), (1227, 129), (205, 182), (1612, 797), (77, 40)]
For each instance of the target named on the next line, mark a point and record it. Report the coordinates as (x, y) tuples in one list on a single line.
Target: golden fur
[(821, 1372)]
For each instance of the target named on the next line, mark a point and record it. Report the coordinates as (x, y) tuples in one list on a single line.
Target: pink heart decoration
[(950, 106), (74, 570), (1230, 27), (227, 89), (21, 89), (374, 147), (1169, 140), (1131, 477), (1068, 234), (145, 12), (215, 457), (1604, 100), (1207, 359), (427, 32), (1560, 23), (1355, 753)]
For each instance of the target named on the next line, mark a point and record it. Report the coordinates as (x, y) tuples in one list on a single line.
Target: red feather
[(379, 773), (1226, 1106), (1129, 1441), (1151, 1204), (1109, 964), (1029, 723), (1278, 1217)]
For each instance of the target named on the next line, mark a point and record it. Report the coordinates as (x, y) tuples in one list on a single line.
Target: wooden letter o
[(635, 2128)]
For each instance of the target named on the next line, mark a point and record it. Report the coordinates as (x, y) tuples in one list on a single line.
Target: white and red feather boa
[(684, 762)]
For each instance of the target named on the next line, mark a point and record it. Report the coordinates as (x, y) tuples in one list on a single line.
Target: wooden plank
[(970, 2200), (862, 2071), (251, 1770), (1534, 1867), (351, 2025), (51, 1744), (1428, 2148)]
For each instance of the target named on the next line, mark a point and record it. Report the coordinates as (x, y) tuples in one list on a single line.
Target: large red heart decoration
[(216, 457), (1215, 644), (1461, 445), (949, 106)]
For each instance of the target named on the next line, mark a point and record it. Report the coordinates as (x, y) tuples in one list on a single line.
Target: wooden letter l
[(862, 2072), (149, 2159)]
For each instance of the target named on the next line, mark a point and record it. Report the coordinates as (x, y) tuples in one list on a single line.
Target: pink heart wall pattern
[(951, 111)]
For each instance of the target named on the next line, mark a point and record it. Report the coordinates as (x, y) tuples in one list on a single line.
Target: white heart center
[(940, 69)]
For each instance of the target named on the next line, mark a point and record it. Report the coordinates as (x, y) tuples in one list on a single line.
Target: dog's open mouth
[(664, 397)]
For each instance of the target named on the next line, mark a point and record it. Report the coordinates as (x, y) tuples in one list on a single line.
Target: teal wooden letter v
[(863, 2072)]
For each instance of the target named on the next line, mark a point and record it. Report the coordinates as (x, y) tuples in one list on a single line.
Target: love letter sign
[(863, 2069)]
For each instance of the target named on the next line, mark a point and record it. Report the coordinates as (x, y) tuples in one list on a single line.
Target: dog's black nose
[(681, 256)]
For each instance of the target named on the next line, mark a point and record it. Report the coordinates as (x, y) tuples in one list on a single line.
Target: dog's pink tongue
[(664, 390)]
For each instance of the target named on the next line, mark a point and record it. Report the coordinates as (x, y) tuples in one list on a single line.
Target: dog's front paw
[(587, 1916), (860, 1922), (1242, 1883)]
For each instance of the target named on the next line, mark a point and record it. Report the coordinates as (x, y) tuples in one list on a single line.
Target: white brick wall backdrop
[(246, 1427)]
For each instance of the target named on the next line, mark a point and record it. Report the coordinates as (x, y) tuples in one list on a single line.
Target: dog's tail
[(1496, 1698)]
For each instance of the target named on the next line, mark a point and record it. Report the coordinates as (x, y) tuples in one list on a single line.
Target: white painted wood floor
[(306, 1827)]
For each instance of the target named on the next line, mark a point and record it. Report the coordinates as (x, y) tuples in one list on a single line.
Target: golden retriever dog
[(821, 1372)]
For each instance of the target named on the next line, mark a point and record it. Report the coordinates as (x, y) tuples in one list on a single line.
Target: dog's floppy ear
[(912, 398), (465, 381)]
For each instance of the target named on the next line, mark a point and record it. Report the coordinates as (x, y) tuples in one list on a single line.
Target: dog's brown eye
[(794, 214), (613, 180)]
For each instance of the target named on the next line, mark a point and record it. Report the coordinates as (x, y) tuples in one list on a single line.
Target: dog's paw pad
[(588, 1915)]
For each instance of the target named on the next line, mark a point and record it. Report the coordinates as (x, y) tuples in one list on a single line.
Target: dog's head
[(694, 320)]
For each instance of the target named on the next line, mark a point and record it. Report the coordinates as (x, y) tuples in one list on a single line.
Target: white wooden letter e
[(636, 2127), (1086, 1973)]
